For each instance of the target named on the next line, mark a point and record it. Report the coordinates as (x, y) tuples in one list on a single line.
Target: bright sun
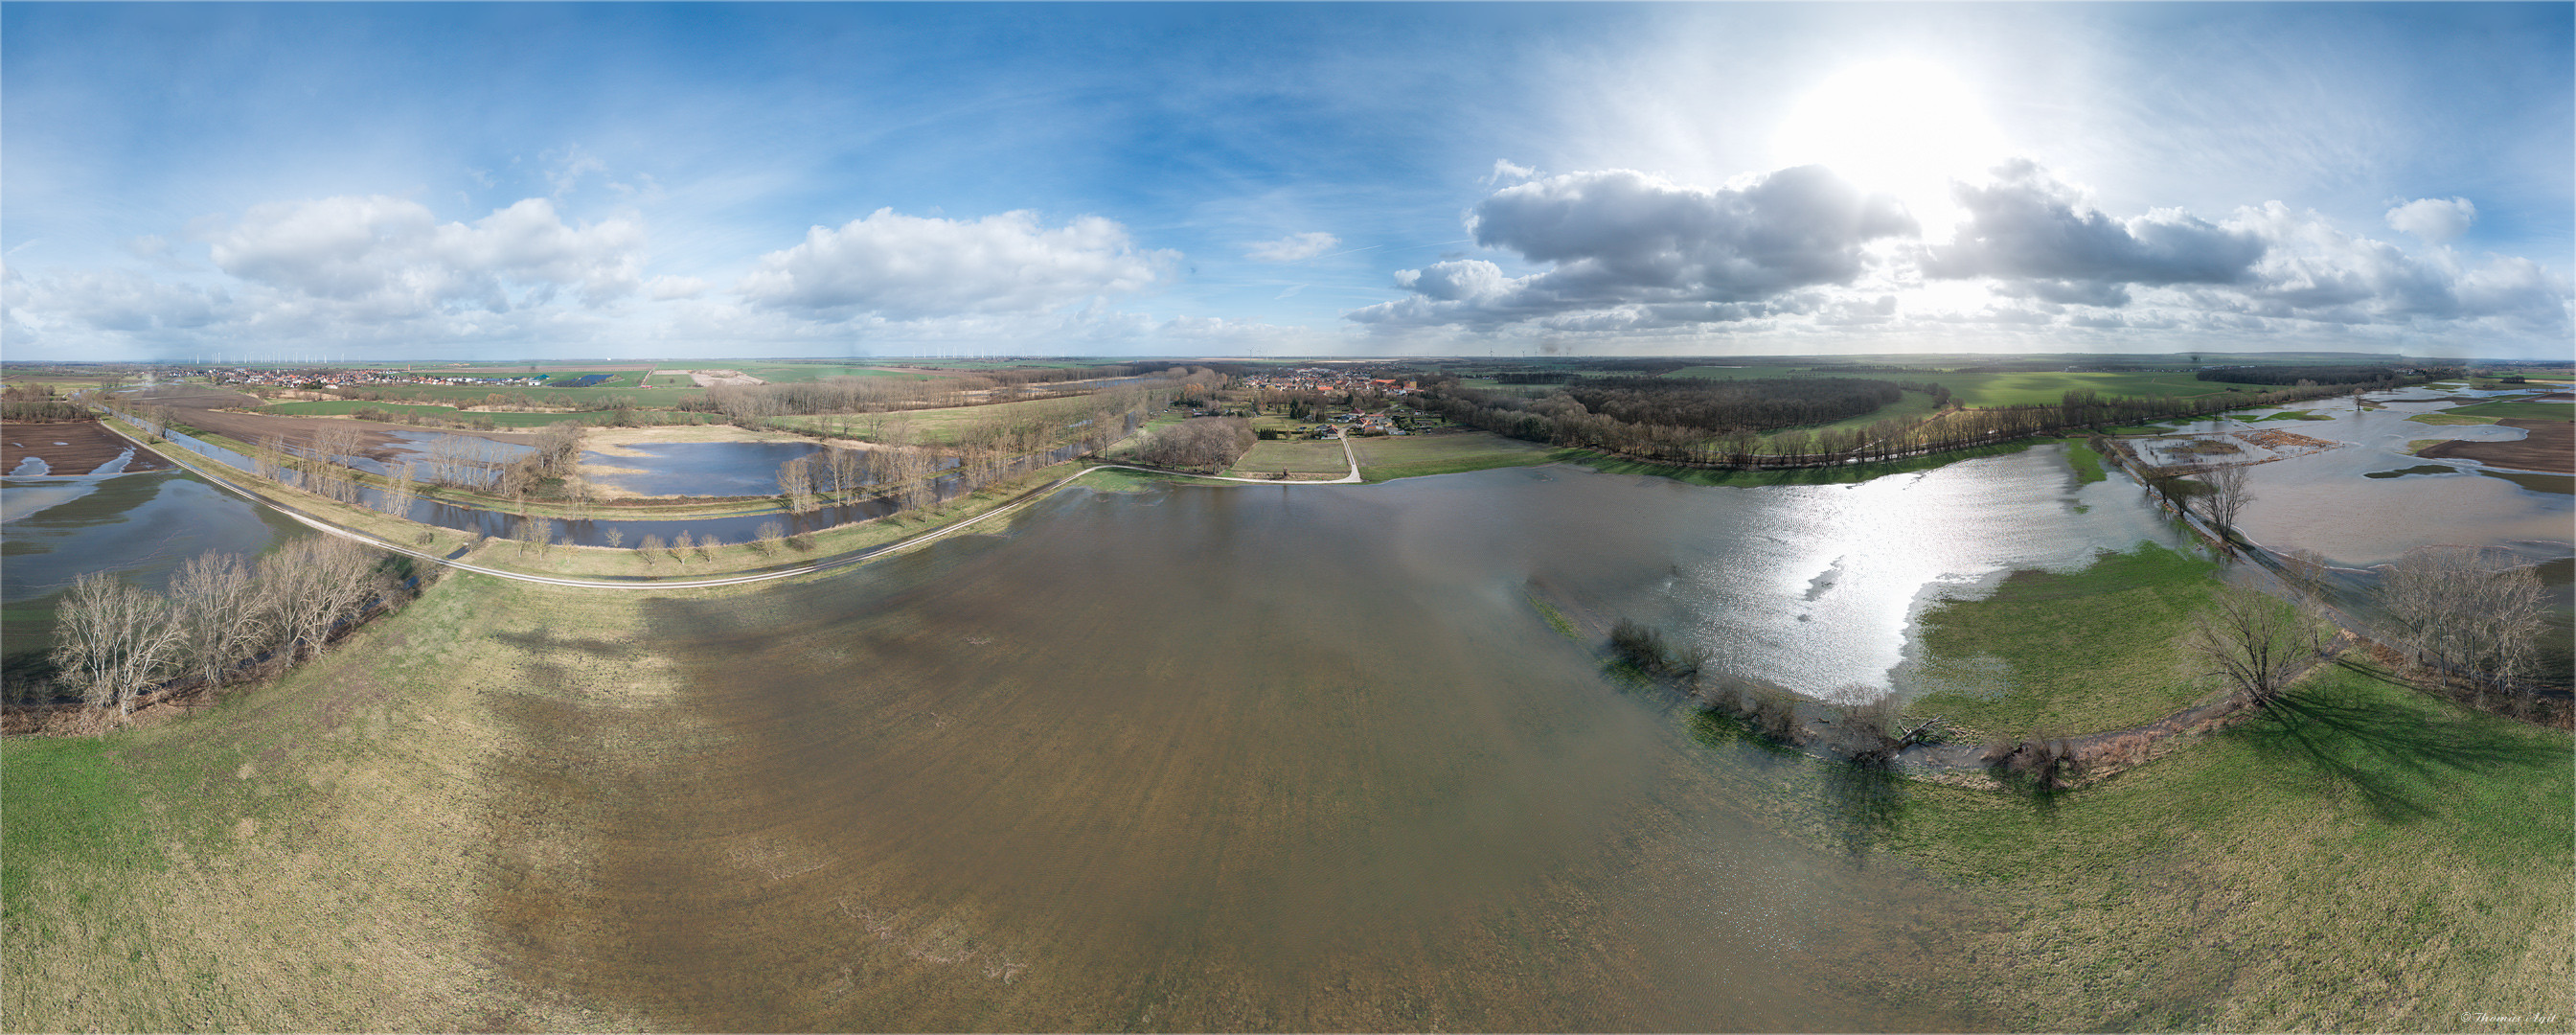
[(1906, 127)]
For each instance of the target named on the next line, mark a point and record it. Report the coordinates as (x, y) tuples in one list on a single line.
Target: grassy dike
[(2366, 857), (310, 854), (2371, 859)]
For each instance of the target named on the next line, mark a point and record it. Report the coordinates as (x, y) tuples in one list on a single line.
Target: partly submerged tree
[(2473, 611)]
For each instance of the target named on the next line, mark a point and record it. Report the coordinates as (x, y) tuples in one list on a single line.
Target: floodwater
[(141, 526), (694, 468), (1267, 758), (2345, 504)]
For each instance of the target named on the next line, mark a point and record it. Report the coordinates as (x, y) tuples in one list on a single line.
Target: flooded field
[(2370, 501), (1212, 759), (141, 526), (693, 468)]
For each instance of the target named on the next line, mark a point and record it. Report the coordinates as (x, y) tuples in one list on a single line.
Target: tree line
[(1560, 418), (2305, 375), (222, 618), (38, 404)]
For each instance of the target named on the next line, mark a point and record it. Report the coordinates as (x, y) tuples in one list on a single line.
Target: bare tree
[(2473, 611), (309, 585), (399, 491), (112, 639), (2229, 492), (649, 546), (680, 546), (796, 482), (266, 460), (772, 533), (615, 536), (215, 606), (534, 533), (2251, 642)]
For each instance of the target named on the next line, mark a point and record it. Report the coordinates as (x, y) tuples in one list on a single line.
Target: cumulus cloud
[(909, 267), (2043, 239), (389, 257), (1627, 249), (2316, 271), (1507, 170), (110, 300), (2436, 220), (1293, 247)]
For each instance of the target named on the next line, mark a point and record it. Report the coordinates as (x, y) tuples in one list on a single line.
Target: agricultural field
[(2000, 389), (1412, 456), (782, 373), (506, 419), (2521, 410), (1271, 457)]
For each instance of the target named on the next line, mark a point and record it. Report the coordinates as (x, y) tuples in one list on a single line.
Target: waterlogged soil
[(70, 448), (1189, 758)]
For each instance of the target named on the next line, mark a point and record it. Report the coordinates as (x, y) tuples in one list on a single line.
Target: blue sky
[(591, 180)]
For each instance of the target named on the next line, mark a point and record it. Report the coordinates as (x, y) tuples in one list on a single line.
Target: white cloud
[(2032, 231), (667, 288), (1506, 169), (909, 267), (1632, 250), (110, 300), (383, 257), (2436, 220), (1293, 247)]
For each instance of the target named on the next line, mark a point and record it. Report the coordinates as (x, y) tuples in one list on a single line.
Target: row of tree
[(2308, 375), (1559, 418), (114, 641), (37, 403), (905, 458)]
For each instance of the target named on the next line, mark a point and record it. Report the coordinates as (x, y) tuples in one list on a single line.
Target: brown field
[(87, 446), (197, 407), (2547, 448)]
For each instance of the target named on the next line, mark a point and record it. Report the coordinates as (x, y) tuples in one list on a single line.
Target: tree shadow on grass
[(2398, 757)]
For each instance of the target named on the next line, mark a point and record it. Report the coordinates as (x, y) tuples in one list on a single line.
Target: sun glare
[(1906, 127)]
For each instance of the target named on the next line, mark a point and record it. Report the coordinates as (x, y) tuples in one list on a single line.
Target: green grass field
[(474, 395), (2071, 653), (2521, 410), (778, 373), (1320, 457), (506, 419), (2449, 418), (1413, 456), (2365, 858), (2005, 389)]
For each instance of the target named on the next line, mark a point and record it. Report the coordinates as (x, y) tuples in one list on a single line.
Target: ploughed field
[(70, 447)]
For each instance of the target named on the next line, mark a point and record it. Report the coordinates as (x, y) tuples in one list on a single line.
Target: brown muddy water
[(1199, 758)]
